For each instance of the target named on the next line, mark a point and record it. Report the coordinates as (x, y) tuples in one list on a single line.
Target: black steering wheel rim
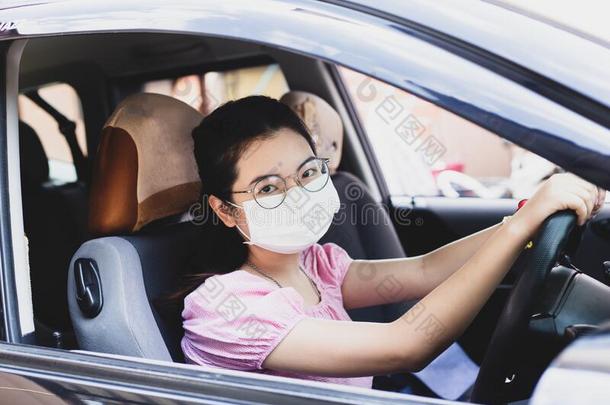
[(537, 262)]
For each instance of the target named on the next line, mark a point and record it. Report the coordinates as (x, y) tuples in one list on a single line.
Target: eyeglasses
[(270, 191)]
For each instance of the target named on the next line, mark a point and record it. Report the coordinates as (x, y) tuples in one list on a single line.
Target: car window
[(64, 98), (207, 91), (424, 150)]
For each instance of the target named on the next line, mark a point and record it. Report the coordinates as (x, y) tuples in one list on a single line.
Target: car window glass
[(424, 150), (63, 98), (207, 91)]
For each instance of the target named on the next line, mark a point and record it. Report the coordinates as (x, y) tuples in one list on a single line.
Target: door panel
[(426, 223)]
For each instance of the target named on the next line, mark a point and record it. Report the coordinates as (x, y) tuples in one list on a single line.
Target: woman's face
[(281, 154)]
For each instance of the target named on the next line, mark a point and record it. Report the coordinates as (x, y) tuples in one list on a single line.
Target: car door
[(411, 62)]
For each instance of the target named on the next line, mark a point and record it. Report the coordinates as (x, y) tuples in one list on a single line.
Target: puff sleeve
[(235, 323)]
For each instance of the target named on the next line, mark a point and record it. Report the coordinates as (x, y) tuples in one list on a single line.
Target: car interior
[(106, 244)]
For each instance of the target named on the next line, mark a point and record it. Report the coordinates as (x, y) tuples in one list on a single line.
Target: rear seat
[(55, 218)]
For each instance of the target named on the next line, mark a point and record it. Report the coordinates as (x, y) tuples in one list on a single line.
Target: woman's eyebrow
[(260, 178), (276, 174), (306, 161)]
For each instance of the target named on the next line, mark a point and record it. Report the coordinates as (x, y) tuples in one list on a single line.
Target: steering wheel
[(536, 262)]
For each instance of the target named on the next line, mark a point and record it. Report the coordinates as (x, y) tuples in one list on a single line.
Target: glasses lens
[(314, 175), (269, 192)]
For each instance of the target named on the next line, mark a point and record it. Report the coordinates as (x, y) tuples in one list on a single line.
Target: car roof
[(8, 4), (558, 52), (584, 18), (580, 63)]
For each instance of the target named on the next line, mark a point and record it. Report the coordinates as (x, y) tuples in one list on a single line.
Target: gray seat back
[(133, 271)]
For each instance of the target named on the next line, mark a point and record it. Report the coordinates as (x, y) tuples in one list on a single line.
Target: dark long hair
[(219, 142)]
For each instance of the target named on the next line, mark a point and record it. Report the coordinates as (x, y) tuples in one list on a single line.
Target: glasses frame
[(324, 161)]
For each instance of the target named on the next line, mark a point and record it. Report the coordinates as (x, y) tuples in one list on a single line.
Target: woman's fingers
[(566, 191), (581, 198), (595, 199), (581, 212), (581, 209), (578, 189), (589, 196), (601, 199)]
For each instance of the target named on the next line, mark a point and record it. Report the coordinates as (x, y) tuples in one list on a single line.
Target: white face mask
[(297, 223)]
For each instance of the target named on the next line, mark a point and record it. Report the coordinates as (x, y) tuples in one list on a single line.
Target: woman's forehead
[(281, 154)]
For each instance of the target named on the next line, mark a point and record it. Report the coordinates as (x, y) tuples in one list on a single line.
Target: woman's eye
[(309, 173), (269, 188)]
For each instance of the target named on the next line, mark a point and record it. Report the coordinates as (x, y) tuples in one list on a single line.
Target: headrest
[(323, 122), (144, 168), (34, 162)]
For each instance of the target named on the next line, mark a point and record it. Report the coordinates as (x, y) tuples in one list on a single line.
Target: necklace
[(313, 285)]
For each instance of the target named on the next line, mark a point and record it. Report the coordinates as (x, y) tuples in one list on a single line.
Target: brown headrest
[(323, 122), (144, 168)]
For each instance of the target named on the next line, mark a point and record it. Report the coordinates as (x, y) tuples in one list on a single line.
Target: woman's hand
[(560, 192)]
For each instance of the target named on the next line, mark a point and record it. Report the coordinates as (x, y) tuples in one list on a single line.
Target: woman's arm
[(398, 280), (344, 348), (404, 279)]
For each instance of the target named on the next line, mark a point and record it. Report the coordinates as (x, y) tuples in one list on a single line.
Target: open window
[(426, 151)]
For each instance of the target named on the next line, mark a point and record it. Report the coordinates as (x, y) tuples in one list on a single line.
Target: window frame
[(16, 297)]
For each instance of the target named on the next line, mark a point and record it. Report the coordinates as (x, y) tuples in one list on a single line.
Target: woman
[(277, 304)]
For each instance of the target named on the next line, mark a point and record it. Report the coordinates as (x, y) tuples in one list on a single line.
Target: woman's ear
[(222, 210)]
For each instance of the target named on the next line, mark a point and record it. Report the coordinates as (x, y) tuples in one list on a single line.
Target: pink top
[(235, 320)]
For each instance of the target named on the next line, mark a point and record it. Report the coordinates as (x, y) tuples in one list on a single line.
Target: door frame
[(14, 273), (81, 374)]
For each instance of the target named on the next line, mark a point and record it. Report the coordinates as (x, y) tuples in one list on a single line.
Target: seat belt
[(68, 130)]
